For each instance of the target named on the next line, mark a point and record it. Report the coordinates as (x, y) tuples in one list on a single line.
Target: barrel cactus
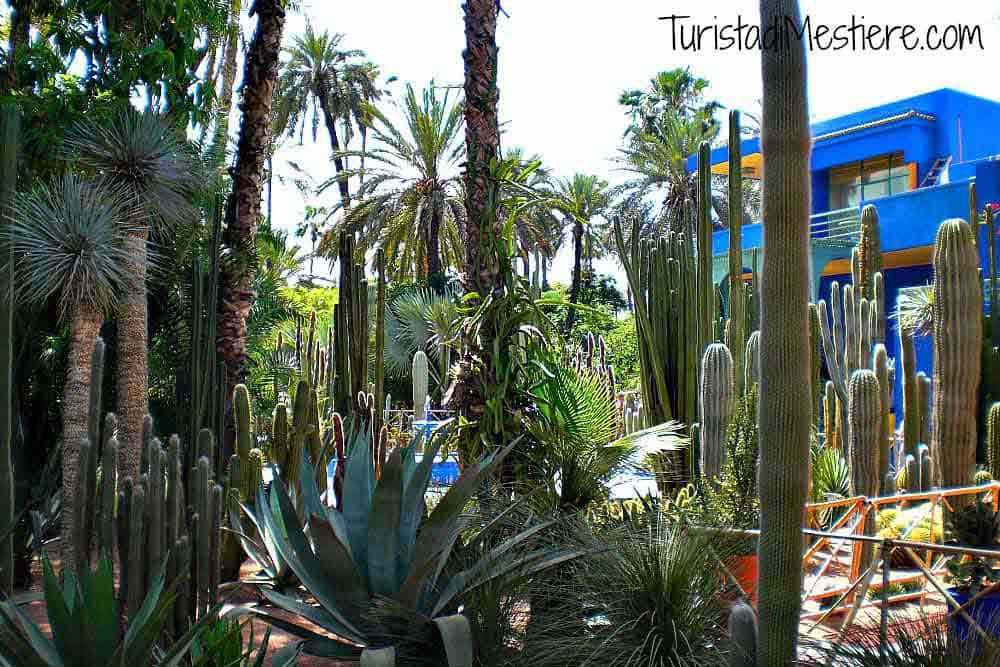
[(717, 395), (957, 344)]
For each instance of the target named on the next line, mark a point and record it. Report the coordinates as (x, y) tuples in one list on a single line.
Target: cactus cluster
[(155, 522)]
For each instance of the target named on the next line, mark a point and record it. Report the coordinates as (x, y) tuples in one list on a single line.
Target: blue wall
[(911, 219)]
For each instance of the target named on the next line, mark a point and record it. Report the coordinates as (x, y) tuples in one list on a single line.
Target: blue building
[(915, 160)]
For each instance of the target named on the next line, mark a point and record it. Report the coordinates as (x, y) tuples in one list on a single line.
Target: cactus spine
[(717, 397), (957, 344), (785, 405), (419, 376)]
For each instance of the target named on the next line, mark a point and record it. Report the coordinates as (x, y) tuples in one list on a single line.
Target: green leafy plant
[(84, 615), (575, 452), (220, 644), (380, 570)]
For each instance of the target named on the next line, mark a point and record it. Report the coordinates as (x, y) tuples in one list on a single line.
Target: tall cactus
[(993, 440), (869, 258), (752, 363), (717, 396), (784, 420), (911, 399), (880, 366), (380, 335), (706, 286), (419, 376), (737, 311), (958, 339), (9, 130), (865, 418)]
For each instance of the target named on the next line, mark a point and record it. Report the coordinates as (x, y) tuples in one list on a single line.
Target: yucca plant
[(380, 570), (84, 616), (650, 597)]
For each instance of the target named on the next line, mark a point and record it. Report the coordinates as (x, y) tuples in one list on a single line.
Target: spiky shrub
[(651, 597), (924, 641), (958, 338), (378, 567), (717, 394), (85, 621)]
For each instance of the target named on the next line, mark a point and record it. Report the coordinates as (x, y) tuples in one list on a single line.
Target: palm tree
[(668, 121), (260, 76), (156, 169), (582, 200), (321, 79), (536, 228), (413, 204), (69, 241)]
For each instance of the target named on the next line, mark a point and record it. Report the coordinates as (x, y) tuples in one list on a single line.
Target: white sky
[(563, 64)]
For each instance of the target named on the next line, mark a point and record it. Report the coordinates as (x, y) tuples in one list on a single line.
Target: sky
[(563, 64)]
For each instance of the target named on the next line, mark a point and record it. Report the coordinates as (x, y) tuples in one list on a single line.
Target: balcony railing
[(841, 226)]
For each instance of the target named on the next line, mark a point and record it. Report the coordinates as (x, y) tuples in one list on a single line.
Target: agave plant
[(380, 570), (261, 546), (85, 620)]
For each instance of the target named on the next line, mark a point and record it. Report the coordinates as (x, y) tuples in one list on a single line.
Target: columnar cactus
[(869, 251), (830, 415), (419, 376), (993, 440), (911, 400), (785, 411), (717, 396), (737, 311), (865, 419), (380, 335), (958, 339), (752, 360), (705, 283), (880, 366)]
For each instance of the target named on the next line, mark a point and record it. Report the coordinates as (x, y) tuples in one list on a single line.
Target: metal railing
[(840, 225)]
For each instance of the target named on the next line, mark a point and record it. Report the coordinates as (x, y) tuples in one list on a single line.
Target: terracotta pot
[(744, 569)]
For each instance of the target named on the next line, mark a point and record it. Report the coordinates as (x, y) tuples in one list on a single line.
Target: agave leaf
[(379, 657), (456, 634), (337, 562), (281, 623), (359, 483), (317, 615), (146, 611), (101, 609), (66, 636), (315, 506), (528, 565), (286, 657), (32, 636), (441, 521), (423, 577), (295, 549), (262, 649), (414, 488), (383, 528)]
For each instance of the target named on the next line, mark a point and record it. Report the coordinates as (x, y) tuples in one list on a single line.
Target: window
[(850, 184)]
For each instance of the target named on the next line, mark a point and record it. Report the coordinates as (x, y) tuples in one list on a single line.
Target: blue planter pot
[(985, 611)]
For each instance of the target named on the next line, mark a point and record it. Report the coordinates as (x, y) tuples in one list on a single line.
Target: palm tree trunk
[(435, 271), (217, 152), (133, 362), (260, 75), (85, 325), (482, 139), (574, 290), (545, 273), (20, 35)]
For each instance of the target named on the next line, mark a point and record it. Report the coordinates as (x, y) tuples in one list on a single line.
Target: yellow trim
[(751, 166), (897, 259)]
